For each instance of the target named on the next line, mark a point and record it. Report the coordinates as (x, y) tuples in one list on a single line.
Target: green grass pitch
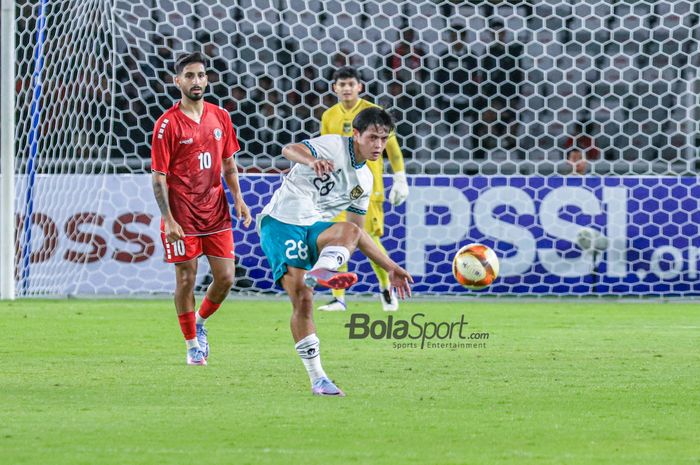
[(559, 382)]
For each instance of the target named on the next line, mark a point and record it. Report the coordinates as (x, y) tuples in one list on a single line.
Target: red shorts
[(213, 245)]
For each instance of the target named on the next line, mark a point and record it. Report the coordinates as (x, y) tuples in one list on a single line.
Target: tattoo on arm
[(231, 176), (160, 191)]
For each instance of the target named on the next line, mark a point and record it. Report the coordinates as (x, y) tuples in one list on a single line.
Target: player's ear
[(176, 80)]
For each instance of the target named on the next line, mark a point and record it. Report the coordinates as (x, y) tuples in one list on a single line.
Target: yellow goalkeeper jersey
[(338, 120)]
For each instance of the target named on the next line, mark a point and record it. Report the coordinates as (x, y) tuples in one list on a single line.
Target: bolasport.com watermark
[(417, 332)]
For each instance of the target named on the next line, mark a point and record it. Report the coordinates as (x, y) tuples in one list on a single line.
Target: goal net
[(563, 134)]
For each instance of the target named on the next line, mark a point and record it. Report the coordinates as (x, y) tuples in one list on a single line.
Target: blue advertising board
[(534, 224), (100, 235)]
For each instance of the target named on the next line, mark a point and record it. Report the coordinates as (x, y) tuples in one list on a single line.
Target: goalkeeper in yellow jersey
[(338, 120)]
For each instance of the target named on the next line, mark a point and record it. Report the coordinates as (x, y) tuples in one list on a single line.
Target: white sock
[(332, 257), (310, 353), (192, 343), (200, 320)]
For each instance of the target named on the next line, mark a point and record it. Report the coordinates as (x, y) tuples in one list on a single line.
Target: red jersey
[(190, 156)]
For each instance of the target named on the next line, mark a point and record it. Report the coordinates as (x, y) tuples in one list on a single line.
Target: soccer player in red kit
[(193, 144)]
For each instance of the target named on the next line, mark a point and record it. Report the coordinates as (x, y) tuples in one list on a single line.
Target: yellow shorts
[(374, 220)]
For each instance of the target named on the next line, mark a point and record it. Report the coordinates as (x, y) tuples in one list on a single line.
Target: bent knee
[(224, 279), (302, 298), (351, 231), (186, 280)]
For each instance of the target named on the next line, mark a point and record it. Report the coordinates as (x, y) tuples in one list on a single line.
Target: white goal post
[(7, 150)]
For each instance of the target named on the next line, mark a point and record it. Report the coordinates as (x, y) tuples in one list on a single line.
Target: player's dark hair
[(189, 58), (346, 72), (373, 116)]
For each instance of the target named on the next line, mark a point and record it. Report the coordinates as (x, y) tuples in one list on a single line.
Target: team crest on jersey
[(217, 134), (347, 127), (356, 192)]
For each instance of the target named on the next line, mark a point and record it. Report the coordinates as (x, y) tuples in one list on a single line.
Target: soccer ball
[(475, 266)]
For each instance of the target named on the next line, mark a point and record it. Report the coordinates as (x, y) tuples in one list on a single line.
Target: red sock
[(208, 308), (187, 325)]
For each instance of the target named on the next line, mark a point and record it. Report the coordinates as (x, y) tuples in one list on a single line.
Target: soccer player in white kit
[(301, 243)]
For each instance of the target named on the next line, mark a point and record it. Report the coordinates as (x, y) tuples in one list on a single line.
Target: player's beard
[(195, 97)]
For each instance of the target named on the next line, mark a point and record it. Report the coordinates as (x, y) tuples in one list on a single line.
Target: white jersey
[(305, 198)]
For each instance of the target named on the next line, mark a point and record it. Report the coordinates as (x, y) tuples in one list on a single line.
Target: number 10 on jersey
[(204, 160)]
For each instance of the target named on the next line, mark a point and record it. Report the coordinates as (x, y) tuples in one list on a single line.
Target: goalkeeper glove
[(399, 189)]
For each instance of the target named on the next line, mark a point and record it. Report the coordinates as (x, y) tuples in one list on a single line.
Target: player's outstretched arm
[(300, 153), (398, 277), (230, 171), (173, 231)]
